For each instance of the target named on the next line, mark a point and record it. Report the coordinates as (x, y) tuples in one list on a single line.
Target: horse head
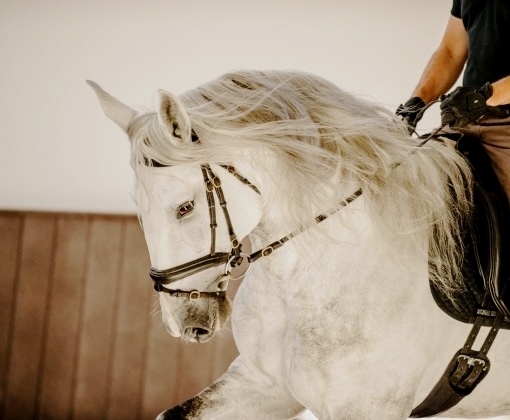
[(193, 215)]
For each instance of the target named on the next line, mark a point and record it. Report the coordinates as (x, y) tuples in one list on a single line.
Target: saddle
[(486, 267), (485, 300)]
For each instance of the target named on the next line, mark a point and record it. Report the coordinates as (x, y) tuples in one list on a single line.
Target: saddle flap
[(490, 223)]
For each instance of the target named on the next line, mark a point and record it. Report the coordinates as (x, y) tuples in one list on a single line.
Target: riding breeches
[(494, 134)]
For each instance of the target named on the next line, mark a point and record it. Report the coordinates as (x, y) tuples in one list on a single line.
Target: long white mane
[(322, 144)]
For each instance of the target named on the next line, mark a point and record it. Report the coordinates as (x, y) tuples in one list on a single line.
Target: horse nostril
[(200, 331), (196, 333)]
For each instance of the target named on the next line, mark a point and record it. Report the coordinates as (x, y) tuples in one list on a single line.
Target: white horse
[(336, 317)]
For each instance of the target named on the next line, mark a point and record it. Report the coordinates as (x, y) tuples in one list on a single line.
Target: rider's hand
[(410, 111), (465, 105)]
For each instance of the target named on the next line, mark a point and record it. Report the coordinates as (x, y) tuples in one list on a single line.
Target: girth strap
[(465, 371)]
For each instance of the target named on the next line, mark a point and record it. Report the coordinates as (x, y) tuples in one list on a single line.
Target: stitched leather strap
[(170, 275), (464, 372), (192, 294), (268, 250)]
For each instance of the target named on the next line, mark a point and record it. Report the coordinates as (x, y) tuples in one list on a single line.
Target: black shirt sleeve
[(456, 8)]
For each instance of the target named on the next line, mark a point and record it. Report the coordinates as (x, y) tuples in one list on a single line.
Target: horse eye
[(185, 209)]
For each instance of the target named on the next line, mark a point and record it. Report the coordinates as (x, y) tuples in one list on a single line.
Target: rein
[(235, 257)]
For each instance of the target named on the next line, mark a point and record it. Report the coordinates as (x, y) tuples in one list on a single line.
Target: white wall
[(58, 151)]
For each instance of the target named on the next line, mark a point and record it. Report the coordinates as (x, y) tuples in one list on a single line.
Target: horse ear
[(114, 109), (174, 118)]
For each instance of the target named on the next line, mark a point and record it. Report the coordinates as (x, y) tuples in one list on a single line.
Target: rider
[(478, 36)]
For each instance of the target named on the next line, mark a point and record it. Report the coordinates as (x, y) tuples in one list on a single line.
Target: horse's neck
[(348, 247), (276, 220), (310, 240), (351, 240)]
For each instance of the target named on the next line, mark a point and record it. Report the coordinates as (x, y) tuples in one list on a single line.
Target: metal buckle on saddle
[(466, 370)]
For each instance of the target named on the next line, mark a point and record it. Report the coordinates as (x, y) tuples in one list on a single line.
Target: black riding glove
[(410, 111), (465, 105)]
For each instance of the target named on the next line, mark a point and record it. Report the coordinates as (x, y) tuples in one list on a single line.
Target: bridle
[(235, 257), (230, 259)]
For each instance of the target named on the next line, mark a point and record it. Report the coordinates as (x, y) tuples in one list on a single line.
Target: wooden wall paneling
[(162, 366), (30, 316), (98, 319), (136, 297), (81, 330), (58, 373), (195, 369), (10, 233)]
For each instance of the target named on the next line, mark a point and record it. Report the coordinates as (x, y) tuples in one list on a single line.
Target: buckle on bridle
[(194, 295), (209, 186), (237, 261), (268, 250), (216, 182)]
